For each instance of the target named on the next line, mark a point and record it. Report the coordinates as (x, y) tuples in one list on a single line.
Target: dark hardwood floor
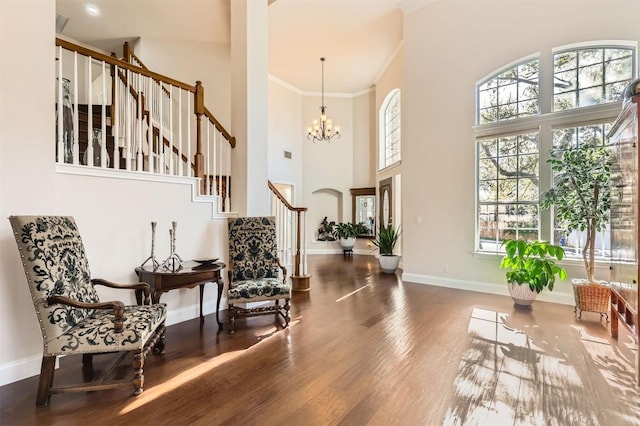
[(365, 348)]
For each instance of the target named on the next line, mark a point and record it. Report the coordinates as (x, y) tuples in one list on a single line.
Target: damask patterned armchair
[(71, 317), (254, 270)]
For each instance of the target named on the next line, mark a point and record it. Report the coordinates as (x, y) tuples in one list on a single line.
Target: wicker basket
[(591, 297)]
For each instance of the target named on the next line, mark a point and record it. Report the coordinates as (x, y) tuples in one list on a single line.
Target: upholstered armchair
[(255, 272), (72, 319)]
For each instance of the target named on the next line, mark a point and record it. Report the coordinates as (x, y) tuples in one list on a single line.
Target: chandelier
[(323, 129)]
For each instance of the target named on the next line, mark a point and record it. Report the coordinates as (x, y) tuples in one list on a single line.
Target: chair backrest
[(55, 265), (252, 248)]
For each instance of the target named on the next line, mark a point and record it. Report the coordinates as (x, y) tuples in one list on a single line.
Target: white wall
[(448, 46), (190, 61), (286, 133), (364, 136)]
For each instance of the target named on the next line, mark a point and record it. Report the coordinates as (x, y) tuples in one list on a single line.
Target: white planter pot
[(389, 264), (521, 294), (347, 243)]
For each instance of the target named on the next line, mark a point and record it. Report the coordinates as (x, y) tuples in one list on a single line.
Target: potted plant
[(386, 240), (531, 267), (345, 233), (581, 197)]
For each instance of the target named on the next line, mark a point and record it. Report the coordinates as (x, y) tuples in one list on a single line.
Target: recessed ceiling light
[(92, 10)]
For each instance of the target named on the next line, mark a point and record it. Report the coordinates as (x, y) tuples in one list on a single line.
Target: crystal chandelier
[(323, 129)]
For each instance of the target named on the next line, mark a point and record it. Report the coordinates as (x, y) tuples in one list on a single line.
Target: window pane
[(508, 189), (565, 61), (590, 76), (596, 74), (390, 139), (512, 93)]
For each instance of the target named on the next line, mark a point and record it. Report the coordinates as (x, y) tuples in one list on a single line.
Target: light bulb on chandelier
[(323, 129)]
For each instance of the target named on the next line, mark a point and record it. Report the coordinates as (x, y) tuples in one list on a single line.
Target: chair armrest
[(284, 270), (141, 286), (118, 307)]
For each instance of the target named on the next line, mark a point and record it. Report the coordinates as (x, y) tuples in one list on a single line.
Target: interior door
[(386, 203)]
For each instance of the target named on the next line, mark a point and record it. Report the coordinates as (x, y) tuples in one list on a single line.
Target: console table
[(191, 274)]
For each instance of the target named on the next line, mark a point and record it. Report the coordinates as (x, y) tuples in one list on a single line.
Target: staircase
[(126, 117)]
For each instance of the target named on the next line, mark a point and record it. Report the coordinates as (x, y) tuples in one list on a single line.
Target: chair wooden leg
[(138, 377), (231, 315), (287, 317), (87, 360), (46, 380)]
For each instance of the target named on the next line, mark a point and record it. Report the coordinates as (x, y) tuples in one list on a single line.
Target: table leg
[(201, 296), (220, 284)]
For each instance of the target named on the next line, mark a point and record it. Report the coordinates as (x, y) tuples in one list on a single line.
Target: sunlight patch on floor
[(504, 378), (352, 293), (167, 386)]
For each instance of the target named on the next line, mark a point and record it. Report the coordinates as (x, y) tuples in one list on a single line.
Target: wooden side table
[(191, 274)]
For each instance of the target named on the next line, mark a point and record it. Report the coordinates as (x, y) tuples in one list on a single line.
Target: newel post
[(198, 160)]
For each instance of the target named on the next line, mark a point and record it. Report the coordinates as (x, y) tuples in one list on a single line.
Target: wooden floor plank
[(366, 348)]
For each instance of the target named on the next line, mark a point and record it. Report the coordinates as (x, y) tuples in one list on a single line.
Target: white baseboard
[(20, 369), (483, 287)]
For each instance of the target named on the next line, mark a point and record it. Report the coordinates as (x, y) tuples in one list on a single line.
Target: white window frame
[(545, 123), (383, 132)]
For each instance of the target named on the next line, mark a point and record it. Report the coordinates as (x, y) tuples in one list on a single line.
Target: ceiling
[(358, 37)]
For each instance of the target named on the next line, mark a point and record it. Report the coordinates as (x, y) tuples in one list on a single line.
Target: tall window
[(390, 129), (508, 189), (515, 131)]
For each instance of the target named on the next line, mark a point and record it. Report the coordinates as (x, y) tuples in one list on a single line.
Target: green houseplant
[(531, 267), (386, 240), (346, 234), (581, 194)]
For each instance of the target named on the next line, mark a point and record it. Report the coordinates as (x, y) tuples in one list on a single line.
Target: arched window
[(389, 136), (516, 130)]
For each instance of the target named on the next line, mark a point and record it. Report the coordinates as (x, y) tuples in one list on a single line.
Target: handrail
[(299, 278), (122, 64), (284, 200), (231, 139)]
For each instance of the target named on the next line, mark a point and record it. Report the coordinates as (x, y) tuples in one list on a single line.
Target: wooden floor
[(365, 348)]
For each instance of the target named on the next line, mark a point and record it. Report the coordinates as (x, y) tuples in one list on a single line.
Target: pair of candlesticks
[(174, 261)]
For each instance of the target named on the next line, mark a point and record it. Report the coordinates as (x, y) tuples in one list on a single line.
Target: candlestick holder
[(152, 257), (174, 261)]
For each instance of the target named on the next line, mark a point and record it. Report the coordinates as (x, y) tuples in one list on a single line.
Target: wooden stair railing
[(291, 225), (148, 121)]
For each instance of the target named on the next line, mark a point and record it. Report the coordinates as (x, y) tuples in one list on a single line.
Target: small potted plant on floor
[(531, 267), (386, 240), (345, 233)]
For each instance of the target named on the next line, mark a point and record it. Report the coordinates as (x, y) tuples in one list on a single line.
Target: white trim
[(301, 92), (595, 44), (483, 287), (284, 84), (20, 369), (194, 182)]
